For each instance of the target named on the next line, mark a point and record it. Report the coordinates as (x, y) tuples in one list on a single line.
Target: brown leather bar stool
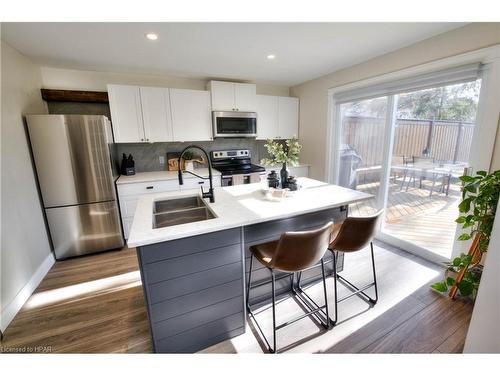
[(354, 234), (293, 252)]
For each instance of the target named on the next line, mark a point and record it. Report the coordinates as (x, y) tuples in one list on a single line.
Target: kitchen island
[(193, 274)]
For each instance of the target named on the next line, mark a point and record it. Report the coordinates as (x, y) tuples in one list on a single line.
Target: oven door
[(234, 124), (227, 181), (242, 179)]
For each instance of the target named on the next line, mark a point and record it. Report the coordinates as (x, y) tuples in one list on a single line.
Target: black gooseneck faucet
[(210, 193)]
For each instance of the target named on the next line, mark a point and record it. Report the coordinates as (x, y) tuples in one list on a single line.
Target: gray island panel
[(194, 290), (194, 286)]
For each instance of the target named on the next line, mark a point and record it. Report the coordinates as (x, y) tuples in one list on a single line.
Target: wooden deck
[(416, 217)]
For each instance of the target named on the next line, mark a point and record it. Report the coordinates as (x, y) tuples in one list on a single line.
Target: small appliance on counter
[(128, 165), (273, 180), (236, 167), (291, 183)]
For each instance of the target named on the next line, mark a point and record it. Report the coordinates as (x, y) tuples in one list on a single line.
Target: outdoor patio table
[(445, 171)]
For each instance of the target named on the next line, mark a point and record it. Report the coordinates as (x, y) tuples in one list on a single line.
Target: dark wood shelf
[(51, 95)]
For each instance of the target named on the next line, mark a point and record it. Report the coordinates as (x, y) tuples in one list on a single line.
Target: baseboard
[(11, 309)]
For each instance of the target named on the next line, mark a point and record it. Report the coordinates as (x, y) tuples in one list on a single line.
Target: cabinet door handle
[(149, 187)]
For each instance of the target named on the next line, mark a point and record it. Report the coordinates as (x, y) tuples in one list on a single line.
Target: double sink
[(184, 210)]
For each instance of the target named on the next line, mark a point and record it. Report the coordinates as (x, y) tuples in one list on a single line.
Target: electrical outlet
[(162, 160)]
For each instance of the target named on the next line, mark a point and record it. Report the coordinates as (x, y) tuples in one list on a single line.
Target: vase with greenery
[(283, 153), (477, 209)]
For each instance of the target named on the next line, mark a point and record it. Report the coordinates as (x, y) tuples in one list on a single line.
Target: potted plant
[(282, 153), (477, 209), (188, 160)]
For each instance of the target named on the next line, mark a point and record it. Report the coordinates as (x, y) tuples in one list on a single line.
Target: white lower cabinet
[(129, 194)]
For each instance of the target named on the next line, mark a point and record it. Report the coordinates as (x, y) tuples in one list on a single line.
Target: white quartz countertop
[(237, 206), (161, 176)]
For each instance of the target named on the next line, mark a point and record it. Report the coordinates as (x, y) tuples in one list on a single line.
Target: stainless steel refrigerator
[(73, 163)]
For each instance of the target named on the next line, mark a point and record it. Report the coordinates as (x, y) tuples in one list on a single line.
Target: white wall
[(70, 79), (484, 328), (25, 251), (313, 94)]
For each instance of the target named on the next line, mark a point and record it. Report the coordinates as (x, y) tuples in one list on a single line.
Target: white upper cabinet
[(277, 117), (222, 94), (191, 115), (156, 114), (267, 117), (140, 114), (245, 97), (229, 96), (288, 117), (126, 113)]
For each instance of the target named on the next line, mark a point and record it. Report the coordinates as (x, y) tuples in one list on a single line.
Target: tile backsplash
[(147, 155)]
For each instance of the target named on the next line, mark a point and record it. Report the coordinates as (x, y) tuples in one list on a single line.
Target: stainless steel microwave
[(234, 124)]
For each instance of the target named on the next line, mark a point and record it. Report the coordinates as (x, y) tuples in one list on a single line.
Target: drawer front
[(186, 246), (176, 267), (147, 187), (196, 318), (201, 337), (191, 283), (194, 301)]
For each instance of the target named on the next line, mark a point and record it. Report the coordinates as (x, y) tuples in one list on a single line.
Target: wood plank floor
[(94, 304)]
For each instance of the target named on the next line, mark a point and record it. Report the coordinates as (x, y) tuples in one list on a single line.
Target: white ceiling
[(215, 50)]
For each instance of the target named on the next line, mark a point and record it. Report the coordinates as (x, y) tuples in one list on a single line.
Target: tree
[(455, 102)]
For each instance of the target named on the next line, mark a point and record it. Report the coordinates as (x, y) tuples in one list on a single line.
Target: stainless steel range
[(236, 167)]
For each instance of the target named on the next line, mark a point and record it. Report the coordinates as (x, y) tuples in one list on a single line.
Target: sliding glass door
[(432, 140), (363, 126), (408, 149)]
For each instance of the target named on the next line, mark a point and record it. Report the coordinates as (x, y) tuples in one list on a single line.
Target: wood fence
[(445, 141)]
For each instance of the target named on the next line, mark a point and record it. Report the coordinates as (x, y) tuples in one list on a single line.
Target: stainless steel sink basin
[(178, 204), (191, 215), (184, 210)]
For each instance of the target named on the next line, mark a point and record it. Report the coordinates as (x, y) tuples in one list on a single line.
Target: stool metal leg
[(359, 291), (374, 301), (335, 276), (250, 312), (328, 326), (248, 283), (315, 310), (273, 286)]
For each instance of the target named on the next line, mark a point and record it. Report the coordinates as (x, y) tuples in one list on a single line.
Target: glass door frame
[(482, 143)]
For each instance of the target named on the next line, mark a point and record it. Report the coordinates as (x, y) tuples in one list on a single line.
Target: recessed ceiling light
[(271, 57), (152, 36)]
